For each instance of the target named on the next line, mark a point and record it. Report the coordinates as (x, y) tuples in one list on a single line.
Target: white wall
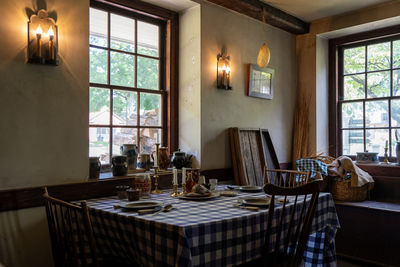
[(220, 109), (44, 118), (190, 83)]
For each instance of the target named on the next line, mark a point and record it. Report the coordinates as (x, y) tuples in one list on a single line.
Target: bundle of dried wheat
[(301, 129)]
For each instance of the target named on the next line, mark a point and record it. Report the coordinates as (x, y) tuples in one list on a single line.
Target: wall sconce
[(223, 72), (42, 39)]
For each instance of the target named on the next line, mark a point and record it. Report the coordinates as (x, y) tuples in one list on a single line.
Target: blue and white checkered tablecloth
[(201, 233)]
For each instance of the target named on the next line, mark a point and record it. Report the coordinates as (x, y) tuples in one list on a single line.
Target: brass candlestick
[(175, 192), (386, 160), (155, 176), (183, 190)]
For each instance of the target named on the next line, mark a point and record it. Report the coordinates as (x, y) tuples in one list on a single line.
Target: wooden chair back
[(290, 237), (71, 232), (286, 178)]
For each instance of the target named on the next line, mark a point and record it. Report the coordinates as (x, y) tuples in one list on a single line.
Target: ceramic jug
[(163, 158), (144, 161), (398, 152), (94, 167), (131, 152), (119, 165), (179, 159)]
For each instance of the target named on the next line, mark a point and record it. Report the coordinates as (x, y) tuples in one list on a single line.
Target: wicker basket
[(342, 190)]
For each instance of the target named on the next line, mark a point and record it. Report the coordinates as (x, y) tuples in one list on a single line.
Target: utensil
[(250, 188), (140, 204), (149, 211), (246, 207), (232, 187), (228, 193), (166, 208)]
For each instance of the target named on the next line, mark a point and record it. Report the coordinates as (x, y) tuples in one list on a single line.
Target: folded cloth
[(313, 166), (343, 165)]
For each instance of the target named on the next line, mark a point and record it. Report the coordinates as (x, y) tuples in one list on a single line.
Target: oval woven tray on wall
[(342, 190)]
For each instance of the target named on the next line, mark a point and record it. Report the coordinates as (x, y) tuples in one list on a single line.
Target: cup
[(213, 184), (202, 180), (121, 191), (133, 194)]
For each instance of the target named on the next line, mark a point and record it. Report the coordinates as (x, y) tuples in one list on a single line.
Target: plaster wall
[(44, 118), (190, 82), (243, 36)]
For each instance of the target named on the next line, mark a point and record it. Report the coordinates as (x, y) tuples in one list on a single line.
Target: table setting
[(215, 225)]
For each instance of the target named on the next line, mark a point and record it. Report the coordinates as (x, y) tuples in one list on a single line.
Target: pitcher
[(131, 151)]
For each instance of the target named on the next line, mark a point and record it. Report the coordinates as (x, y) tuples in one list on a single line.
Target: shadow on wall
[(40, 4), (24, 229)]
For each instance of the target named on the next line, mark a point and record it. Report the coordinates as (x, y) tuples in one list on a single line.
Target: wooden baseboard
[(29, 197)]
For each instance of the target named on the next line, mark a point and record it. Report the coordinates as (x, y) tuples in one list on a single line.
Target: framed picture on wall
[(260, 82)]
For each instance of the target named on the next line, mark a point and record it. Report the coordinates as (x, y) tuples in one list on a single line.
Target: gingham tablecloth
[(201, 233)]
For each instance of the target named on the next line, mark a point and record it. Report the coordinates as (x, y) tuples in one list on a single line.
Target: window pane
[(376, 140), (379, 56), (124, 107), (99, 106), (353, 141), (147, 39), (98, 27), (147, 73), (354, 87), (122, 69), (354, 60), (123, 136), (396, 82), (378, 84), (394, 141), (150, 109), (376, 114), (396, 54), (122, 33), (395, 113), (352, 115), (148, 139), (98, 65), (99, 143)]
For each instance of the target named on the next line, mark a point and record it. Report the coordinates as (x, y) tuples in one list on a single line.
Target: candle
[(228, 74), (39, 41), (156, 156), (223, 75), (51, 38), (183, 175), (386, 146), (175, 176)]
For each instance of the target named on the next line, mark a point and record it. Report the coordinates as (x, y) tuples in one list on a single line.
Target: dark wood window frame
[(335, 79), (168, 22)]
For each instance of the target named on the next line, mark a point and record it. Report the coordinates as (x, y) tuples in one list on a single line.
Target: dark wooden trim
[(29, 197), (335, 63), (172, 82), (273, 16), (141, 7)]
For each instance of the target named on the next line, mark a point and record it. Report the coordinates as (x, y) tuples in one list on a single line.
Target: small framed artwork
[(260, 82)]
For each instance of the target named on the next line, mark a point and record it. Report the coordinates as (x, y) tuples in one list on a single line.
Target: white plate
[(255, 201), (250, 188), (207, 197), (140, 204)]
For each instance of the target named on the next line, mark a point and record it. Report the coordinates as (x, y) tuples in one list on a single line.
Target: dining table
[(212, 232)]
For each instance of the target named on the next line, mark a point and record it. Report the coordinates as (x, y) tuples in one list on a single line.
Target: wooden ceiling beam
[(273, 16)]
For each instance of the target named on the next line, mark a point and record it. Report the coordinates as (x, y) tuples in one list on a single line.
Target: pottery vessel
[(178, 159), (119, 165), (131, 152), (398, 152), (94, 167), (143, 183), (144, 161), (163, 158)]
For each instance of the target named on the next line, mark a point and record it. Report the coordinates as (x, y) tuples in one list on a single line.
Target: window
[(127, 92), (368, 107)]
